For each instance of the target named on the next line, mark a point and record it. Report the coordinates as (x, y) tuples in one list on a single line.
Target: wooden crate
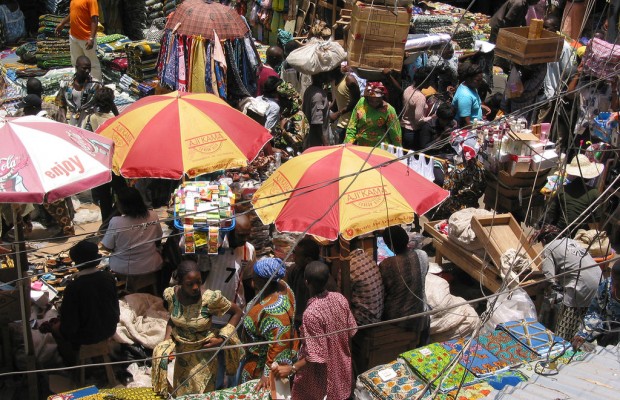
[(514, 45), (502, 232), (522, 179), (368, 53), (380, 23)]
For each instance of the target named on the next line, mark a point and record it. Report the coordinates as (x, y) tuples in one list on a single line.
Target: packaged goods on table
[(203, 210)]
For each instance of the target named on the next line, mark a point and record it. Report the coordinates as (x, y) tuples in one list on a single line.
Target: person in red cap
[(373, 120)]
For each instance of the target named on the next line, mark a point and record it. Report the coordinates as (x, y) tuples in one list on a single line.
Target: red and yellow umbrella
[(169, 135), (321, 185)]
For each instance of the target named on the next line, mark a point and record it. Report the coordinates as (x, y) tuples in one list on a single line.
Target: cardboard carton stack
[(377, 36)]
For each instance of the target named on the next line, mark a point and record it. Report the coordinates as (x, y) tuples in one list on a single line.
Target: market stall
[(206, 47)]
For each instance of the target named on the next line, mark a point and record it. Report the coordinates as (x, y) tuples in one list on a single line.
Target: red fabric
[(328, 371), (264, 72)]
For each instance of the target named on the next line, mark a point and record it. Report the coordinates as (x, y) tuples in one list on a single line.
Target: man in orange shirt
[(83, 19)]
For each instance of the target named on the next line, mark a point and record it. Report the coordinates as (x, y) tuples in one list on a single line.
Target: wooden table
[(484, 272)]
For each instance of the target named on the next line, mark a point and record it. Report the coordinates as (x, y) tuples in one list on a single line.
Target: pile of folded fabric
[(154, 10), (53, 53), (58, 7), (47, 26), (129, 85), (142, 59), (111, 53), (51, 80), (464, 35), (134, 18), (170, 6), (423, 23)]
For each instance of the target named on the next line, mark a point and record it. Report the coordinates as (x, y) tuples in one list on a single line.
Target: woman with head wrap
[(373, 120), (465, 181), (269, 319), (293, 126), (466, 99)]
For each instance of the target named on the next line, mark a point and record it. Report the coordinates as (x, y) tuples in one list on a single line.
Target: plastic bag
[(317, 56), (511, 307), (514, 86)]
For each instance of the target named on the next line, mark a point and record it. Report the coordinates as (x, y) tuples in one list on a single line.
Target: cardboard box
[(380, 23), (375, 54), (518, 164)]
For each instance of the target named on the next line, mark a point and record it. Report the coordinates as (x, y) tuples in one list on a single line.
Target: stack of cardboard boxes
[(377, 36)]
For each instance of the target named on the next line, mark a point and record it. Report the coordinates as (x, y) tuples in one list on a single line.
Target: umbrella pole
[(20, 258)]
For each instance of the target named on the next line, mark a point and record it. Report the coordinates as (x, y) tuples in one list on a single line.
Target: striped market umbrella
[(170, 135), (202, 17), (319, 186), (44, 160)]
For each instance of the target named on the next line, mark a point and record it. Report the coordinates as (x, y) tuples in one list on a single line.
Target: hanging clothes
[(208, 68), (182, 77), (198, 66), (424, 166)]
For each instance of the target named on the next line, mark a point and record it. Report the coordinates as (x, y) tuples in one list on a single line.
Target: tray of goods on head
[(528, 45), (203, 210)]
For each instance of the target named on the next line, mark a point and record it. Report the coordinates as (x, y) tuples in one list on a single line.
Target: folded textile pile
[(58, 7), (464, 36), (129, 85), (142, 59), (170, 6), (134, 18), (47, 26), (53, 53), (424, 23), (51, 80), (154, 10)]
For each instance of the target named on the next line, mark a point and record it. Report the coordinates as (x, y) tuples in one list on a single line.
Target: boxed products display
[(202, 210)]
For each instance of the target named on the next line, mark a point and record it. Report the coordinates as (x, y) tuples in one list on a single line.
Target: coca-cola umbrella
[(43, 160)]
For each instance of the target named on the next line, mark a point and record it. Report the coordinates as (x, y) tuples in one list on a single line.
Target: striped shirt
[(366, 288)]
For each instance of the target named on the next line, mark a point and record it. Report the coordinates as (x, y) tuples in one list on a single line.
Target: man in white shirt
[(227, 270)]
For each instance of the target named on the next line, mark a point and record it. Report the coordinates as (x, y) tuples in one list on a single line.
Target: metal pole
[(20, 249)]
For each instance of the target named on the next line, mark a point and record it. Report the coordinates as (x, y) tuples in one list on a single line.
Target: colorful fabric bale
[(404, 386), (506, 348), (244, 391), (476, 358), (429, 363), (535, 336)]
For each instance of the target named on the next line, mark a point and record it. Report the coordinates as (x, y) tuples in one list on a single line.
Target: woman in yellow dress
[(189, 329)]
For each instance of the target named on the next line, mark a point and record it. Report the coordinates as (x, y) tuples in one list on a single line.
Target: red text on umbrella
[(66, 167)]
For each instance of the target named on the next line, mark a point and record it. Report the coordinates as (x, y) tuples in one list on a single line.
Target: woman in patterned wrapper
[(270, 319)]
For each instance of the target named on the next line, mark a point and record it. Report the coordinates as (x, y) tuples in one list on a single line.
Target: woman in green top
[(372, 117)]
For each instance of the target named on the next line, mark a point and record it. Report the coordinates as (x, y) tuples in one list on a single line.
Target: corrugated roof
[(596, 377)]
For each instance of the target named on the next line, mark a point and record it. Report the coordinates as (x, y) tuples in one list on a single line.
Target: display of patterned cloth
[(506, 348), (533, 368), (535, 336), (47, 26), (244, 391), (53, 53), (429, 362), (404, 386), (463, 36), (93, 393), (424, 23), (142, 59), (477, 359)]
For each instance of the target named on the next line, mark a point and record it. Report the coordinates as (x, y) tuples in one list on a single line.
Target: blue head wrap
[(270, 266)]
